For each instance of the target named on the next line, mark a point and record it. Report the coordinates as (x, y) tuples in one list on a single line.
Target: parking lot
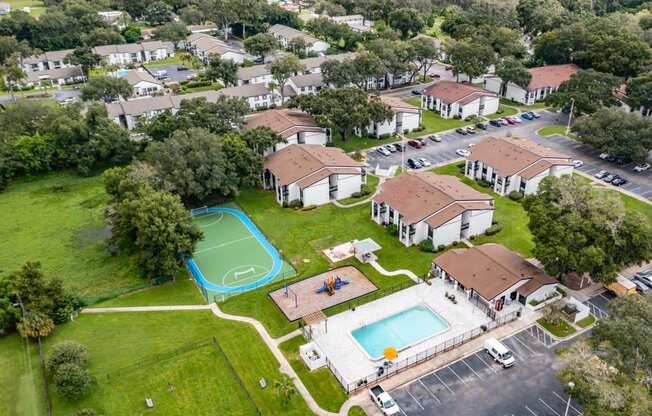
[(598, 304), (173, 72), (476, 385)]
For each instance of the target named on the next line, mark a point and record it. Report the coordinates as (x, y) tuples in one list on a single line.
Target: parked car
[(601, 174), (644, 277), (414, 144), (470, 130), (462, 152), (422, 141), (503, 122), (611, 159), (435, 138), (516, 120), (603, 156), (390, 147), (424, 162), (640, 285), (416, 92), (642, 167), (481, 126), (619, 181), (499, 352), (495, 123), (399, 147), (384, 401), (411, 163), (533, 114), (383, 151), (577, 163), (527, 116), (448, 67), (461, 131), (610, 177)]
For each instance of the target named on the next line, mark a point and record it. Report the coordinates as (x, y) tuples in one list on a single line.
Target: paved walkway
[(381, 180), (380, 269)]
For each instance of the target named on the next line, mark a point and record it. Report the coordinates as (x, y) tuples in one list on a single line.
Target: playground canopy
[(364, 250)]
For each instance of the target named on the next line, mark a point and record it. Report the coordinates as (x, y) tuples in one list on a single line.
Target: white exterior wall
[(238, 58), (447, 233), (263, 79), (561, 170), (532, 184), (146, 88), (542, 293), (493, 84), (262, 101), (490, 106), (317, 193), (506, 293), (480, 221), (294, 192), (319, 46), (409, 121), (347, 185), (518, 94), (387, 128)]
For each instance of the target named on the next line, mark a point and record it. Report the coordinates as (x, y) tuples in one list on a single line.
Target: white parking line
[(450, 368), (442, 382), (546, 404), (485, 363), (604, 297), (524, 345), (530, 410), (565, 401), (470, 368), (415, 400), (429, 391)]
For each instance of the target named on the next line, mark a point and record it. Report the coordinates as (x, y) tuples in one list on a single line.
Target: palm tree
[(285, 389), (36, 325)]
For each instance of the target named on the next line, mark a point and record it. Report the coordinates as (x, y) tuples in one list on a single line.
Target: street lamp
[(570, 116), (571, 386)]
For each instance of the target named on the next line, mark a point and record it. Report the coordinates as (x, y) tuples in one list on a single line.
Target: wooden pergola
[(314, 318)]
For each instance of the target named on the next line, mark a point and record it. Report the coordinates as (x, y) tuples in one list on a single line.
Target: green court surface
[(231, 256)]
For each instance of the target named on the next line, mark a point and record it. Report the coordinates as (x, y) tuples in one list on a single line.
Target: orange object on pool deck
[(390, 353)]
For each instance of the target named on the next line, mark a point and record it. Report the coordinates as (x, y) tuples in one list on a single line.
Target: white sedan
[(577, 163), (383, 151), (424, 162), (642, 168), (463, 152)]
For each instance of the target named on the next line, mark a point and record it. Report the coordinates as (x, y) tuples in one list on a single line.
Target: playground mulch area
[(308, 301)]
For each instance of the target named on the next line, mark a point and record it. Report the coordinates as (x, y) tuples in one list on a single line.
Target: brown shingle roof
[(451, 92), (491, 269), (510, 156), (399, 106), (297, 161), (135, 76), (550, 75), (417, 196), (284, 122)]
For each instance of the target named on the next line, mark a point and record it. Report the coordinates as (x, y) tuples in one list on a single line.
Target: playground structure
[(331, 285)]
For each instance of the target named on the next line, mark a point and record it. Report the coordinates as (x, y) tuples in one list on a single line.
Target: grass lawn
[(555, 129), (181, 292), (21, 388), (355, 143), (300, 236), (536, 106), (58, 219), (179, 58), (435, 29), (357, 411), (515, 234), (138, 355), (434, 123), (630, 202), (214, 86), (37, 7), (372, 184), (586, 322), (321, 383), (562, 330), (502, 112)]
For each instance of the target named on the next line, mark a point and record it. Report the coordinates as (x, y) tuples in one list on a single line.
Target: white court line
[(428, 390), (485, 363), (566, 401), (402, 411), (223, 244), (470, 368), (530, 410), (450, 368), (217, 221), (546, 404), (415, 400), (604, 297), (442, 382), (524, 345)]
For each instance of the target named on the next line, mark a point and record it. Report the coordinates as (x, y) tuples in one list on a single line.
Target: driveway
[(174, 74), (478, 386)]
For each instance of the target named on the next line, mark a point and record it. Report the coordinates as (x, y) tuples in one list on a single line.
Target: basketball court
[(234, 256)]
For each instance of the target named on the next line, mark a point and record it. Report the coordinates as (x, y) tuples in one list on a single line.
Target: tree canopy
[(107, 89), (588, 89)]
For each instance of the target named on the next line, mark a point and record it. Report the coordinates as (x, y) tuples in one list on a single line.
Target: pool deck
[(308, 301), (352, 362)]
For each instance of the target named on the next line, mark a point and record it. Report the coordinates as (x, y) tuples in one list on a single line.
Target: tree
[(107, 89), (589, 89), (468, 58), (10, 46), (426, 54), (285, 389), (639, 91), (578, 229), (102, 36), (84, 57), (223, 70), (284, 68), (157, 13), (72, 381), (613, 131), (261, 44), (35, 325), (131, 33), (67, 352), (338, 74), (13, 73), (298, 46), (538, 16), (260, 139), (172, 32), (512, 70), (345, 109), (9, 311), (223, 12), (407, 21)]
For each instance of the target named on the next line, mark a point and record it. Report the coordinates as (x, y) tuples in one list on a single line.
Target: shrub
[(72, 381), (562, 291), (356, 195), (515, 195), (494, 229), (392, 229), (534, 302), (461, 165), (484, 183), (85, 412), (364, 190), (294, 204), (309, 207), (472, 238), (457, 117), (67, 352), (426, 245), (357, 156), (441, 247), (420, 128)]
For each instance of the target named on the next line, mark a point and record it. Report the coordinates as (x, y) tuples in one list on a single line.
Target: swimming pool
[(400, 331)]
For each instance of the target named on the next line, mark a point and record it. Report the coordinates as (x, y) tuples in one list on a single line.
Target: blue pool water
[(122, 73), (400, 330)]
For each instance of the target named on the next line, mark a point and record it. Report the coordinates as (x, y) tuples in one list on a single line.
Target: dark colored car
[(533, 114), (527, 116), (416, 92), (414, 144), (411, 164), (481, 126), (611, 158), (619, 181), (461, 131), (495, 123)]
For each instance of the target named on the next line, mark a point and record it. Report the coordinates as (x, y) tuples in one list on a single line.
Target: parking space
[(598, 304), (172, 72), (476, 385)]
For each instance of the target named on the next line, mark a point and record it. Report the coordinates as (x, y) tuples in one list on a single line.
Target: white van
[(499, 352)]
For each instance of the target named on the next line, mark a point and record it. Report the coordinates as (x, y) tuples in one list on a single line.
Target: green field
[(21, 386), (372, 184), (354, 142), (502, 112), (37, 7), (433, 122), (168, 356), (182, 292), (58, 219)]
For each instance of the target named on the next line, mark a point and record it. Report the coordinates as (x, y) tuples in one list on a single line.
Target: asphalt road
[(438, 153), (478, 386)]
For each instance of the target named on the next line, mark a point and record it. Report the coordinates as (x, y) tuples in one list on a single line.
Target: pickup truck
[(387, 405)]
